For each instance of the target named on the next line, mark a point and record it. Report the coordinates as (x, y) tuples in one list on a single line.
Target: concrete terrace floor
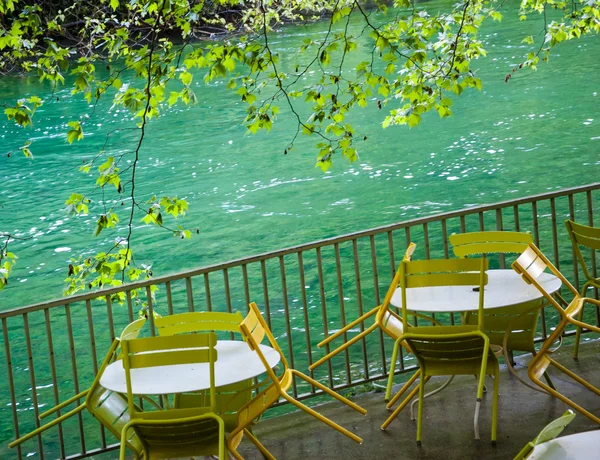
[(447, 423)]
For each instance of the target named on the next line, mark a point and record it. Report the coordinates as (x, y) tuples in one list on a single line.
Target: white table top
[(505, 288), (235, 362), (580, 446)]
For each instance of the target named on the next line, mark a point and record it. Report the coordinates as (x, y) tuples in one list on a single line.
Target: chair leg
[(329, 391), (402, 405), (342, 347), (575, 377), (580, 318), (566, 400), (43, 428), (495, 405), (263, 450), (405, 387), (420, 413), (347, 327), (320, 417), (431, 393), (390, 384)]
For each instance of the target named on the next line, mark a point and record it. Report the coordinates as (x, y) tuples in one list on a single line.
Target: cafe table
[(235, 362), (580, 446), (505, 288)]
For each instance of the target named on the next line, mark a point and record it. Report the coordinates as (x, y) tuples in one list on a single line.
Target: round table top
[(505, 288), (236, 362), (580, 446)]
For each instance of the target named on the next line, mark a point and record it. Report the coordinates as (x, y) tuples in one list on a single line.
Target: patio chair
[(173, 433), (588, 237), (529, 265), (108, 407), (550, 431), (509, 329), (254, 329), (229, 398), (447, 350)]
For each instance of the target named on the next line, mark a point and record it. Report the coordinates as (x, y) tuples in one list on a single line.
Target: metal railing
[(52, 349)]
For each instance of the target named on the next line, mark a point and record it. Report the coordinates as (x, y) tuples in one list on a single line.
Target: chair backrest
[(443, 272), (550, 431), (531, 264), (254, 329), (169, 350), (477, 243), (582, 235), (198, 321)]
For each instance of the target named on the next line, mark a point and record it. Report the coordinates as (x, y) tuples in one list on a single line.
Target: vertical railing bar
[(61, 441), (109, 314), (427, 256), (74, 367), (463, 224), (574, 257), (263, 271), (129, 305), (246, 285), (445, 237), (288, 325), (391, 253), (500, 227), (426, 238), (90, 318), (227, 295), (34, 399), (516, 217), (554, 232), (207, 289), (360, 304), (189, 293), (324, 311), (169, 297), (11, 384), (305, 313), (447, 255), (481, 222), (536, 239), (338, 267), (536, 228), (377, 298), (150, 310), (594, 268)]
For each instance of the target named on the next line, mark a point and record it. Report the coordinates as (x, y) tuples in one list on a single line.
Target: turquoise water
[(537, 133)]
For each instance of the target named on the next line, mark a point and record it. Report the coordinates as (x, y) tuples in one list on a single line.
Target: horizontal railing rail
[(52, 349)]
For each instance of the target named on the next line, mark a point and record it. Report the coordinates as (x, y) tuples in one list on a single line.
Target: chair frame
[(549, 432), (583, 235), (130, 331), (439, 273), (529, 265), (254, 328)]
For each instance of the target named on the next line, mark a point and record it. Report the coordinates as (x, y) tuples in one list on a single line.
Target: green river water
[(539, 132)]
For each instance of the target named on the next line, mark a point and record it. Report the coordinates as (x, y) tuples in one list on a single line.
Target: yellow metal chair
[(588, 237), (530, 265), (229, 398), (447, 350), (550, 431), (509, 329), (173, 433), (108, 407), (254, 329)]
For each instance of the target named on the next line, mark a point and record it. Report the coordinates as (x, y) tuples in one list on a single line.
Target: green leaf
[(114, 4)]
